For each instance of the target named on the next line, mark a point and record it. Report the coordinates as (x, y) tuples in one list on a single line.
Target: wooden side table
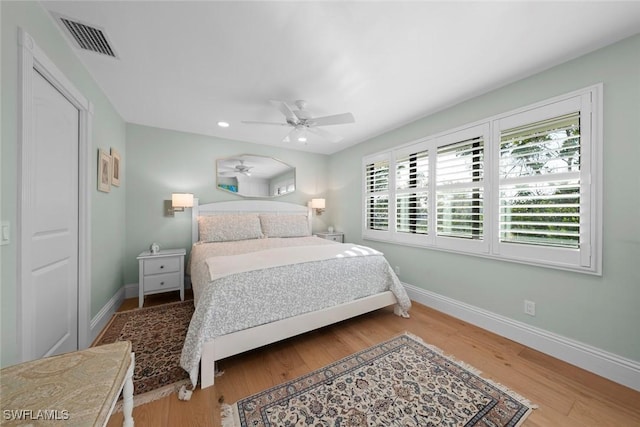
[(160, 272)]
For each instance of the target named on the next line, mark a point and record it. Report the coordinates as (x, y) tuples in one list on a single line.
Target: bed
[(259, 276)]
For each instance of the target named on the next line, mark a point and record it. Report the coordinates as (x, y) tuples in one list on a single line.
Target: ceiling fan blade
[(302, 112), (295, 135), (286, 110), (326, 135), (251, 122), (336, 119)]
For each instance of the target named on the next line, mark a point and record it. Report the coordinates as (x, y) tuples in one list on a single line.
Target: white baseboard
[(611, 366), (104, 315)]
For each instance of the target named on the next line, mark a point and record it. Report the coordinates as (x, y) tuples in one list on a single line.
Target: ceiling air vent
[(85, 36)]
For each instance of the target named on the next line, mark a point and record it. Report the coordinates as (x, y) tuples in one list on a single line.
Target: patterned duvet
[(251, 298)]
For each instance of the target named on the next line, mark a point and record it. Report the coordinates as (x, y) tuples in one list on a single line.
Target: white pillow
[(224, 228), (285, 225)]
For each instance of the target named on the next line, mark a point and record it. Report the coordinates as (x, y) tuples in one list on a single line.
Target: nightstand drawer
[(161, 265), (335, 238), (162, 281)]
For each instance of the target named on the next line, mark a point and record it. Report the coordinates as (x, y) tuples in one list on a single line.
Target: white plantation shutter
[(523, 186), (544, 192), (377, 194), (412, 180), (460, 189), (539, 171)]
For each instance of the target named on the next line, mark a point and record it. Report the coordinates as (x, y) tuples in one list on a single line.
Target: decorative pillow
[(223, 228), (285, 225)]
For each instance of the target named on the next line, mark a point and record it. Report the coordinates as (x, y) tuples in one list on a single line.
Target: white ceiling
[(187, 65)]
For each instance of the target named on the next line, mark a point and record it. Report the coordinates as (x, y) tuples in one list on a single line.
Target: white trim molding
[(100, 321), (608, 365)]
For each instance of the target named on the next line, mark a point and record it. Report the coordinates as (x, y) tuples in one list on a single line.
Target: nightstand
[(335, 236), (160, 272)]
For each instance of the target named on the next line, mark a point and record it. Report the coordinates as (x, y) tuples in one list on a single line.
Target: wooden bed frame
[(248, 339)]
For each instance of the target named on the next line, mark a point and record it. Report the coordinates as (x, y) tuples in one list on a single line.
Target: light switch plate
[(5, 233)]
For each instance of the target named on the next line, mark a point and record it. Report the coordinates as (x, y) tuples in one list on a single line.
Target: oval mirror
[(249, 175)]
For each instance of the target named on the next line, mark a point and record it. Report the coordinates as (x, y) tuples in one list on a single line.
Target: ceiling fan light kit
[(302, 122)]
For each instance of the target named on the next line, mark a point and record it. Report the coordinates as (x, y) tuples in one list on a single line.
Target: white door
[(53, 215)]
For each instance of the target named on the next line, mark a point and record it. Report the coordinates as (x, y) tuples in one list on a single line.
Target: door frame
[(30, 57)]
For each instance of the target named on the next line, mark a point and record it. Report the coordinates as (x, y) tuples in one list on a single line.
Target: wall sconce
[(178, 202), (318, 205)]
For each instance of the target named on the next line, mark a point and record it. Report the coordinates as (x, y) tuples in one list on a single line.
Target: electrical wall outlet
[(397, 269), (529, 308)]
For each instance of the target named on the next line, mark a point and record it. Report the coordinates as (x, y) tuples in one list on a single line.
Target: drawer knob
[(162, 266), (161, 283)]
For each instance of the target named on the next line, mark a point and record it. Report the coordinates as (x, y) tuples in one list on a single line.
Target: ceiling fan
[(302, 122), (240, 168)]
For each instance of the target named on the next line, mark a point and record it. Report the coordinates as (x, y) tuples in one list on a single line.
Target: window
[(459, 199), (539, 174), (546, 191), (412, 178), (377, 194), (522, 186), (460, 189)]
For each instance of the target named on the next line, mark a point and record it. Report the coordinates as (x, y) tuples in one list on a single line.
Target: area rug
[(400, 382), (157, 335)]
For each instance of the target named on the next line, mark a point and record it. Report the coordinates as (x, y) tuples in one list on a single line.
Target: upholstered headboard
[(244, 206)]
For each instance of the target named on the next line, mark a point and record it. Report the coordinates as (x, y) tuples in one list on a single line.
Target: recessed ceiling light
[(223, 124), (302, 139)]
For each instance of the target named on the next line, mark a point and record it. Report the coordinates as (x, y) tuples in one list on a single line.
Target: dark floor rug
[(401, 382), (157, 335)]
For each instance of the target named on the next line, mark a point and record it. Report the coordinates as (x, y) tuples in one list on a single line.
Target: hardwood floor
[(566, 395)]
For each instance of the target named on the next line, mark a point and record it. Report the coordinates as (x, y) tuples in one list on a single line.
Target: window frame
[(585, 259)]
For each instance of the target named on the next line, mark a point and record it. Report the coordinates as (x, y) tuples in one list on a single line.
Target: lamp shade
[(182, 200), (317, 203)]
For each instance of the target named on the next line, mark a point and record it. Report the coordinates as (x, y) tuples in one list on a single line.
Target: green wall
[(160, 162), (600, 311), (108, 209)]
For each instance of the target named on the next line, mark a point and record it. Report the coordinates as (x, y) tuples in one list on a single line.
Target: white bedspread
[(222, 266)]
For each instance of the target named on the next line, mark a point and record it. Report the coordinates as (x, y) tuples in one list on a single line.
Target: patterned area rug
[(157, 335), (401, 382)]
